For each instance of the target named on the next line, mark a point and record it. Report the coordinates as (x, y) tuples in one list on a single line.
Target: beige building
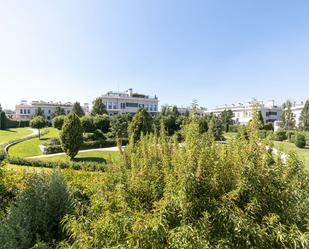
[(129, 102), (25, 110)]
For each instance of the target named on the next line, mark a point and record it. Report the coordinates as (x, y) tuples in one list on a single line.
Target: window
[(271, 113), (28, 111), (110, 105), (132, 105), (146, 107), (155, 108), (141, 105), (49, 111), (25, 111), (21, 111), (115, 105), (150, 109), (123, 105)]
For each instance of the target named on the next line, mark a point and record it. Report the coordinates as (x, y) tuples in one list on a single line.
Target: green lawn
[(31, 147), (88, 156), (286, 147), (12, 134)]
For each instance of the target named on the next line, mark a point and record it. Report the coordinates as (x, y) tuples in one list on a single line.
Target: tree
[(2, 120), (87, 124), (102, 122), (98, 107), (71, 135), (300, 140), (304, 117), (78, 110), (287, 116), (0, 108), (119, 125), (38, 122), (39, 112), (141, 123), (59, 111), (227, 119), (58, 121)]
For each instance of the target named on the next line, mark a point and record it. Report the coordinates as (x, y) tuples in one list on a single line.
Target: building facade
[(129, 102), (25, 110), (243, 112), (296, 110)]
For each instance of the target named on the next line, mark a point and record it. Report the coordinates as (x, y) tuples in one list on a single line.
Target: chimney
[(130, 92)]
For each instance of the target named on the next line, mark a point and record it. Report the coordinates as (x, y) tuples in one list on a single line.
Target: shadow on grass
[(9, 130), (90, 159)]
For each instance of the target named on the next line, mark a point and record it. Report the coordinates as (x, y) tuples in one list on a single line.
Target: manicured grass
[(31, 147), (12, 134), (286, 147), (88, 156), (229, 135)]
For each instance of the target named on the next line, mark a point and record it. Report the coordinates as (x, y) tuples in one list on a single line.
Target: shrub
[(269, 127), (87, 124), (52, 141), (2, 120), (300, 140), (280, 135), (37, 213), (87, 166), (102, 122), (58, 122), (52, 149), (233, 128), (10, 123), (290, 136)]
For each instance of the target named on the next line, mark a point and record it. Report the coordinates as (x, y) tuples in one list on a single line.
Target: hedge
[(10, 123), (87, 166)]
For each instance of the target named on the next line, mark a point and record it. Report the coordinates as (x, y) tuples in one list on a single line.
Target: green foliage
[(141, 123), (300, 140), (38, 122), (59, 111), (37, 213), (2, 121), (39, 112), (198, 194), (58, 121), (226, 119), (269, 127), (304, 117), (77, 109), (102, 122), (71, 135), (287, 116), (16, 124), (87, 124), (280, 135), (98, 107), (233, 128)]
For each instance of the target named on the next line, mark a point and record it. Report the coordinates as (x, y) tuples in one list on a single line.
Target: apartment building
[(25, 110), (185, 110), (129, 102), (243, 112), (296, 110)]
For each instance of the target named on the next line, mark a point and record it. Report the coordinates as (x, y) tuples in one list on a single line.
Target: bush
[(87, 124), (93, 136), (52, 141), (52, 149), (2, 121), (102, 122), (58, 122), (269, 127), (300, 140), (280, 136), (37, 213), (87, 166), (10, 123), (233, 128), (290, 136)]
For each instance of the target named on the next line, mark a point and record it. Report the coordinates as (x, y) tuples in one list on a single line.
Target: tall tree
[(2, 120), (287, 116), (226, 119), (39, 112), (38, 122), (71, 135), (58, 111), (141, 123), (304, 117), (78, 110), (119, 126), (98, 107)]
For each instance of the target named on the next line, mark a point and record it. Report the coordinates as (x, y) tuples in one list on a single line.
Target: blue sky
[(215, 51)]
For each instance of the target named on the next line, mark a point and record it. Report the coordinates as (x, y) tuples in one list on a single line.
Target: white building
[(129, 102), (25, 110), (296, 110), (185, 110), (243, 112)]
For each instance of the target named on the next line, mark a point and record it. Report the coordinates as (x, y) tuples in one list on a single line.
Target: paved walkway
[(81, 151)]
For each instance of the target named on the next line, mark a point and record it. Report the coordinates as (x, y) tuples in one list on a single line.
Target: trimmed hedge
[(280, 136), (10, 123), (87, 166)]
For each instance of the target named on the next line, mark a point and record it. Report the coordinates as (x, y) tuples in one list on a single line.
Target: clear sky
[(215, 51)]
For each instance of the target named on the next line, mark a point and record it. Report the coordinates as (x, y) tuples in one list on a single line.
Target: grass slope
[(31, 147), (286, 147), (12, 134)]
